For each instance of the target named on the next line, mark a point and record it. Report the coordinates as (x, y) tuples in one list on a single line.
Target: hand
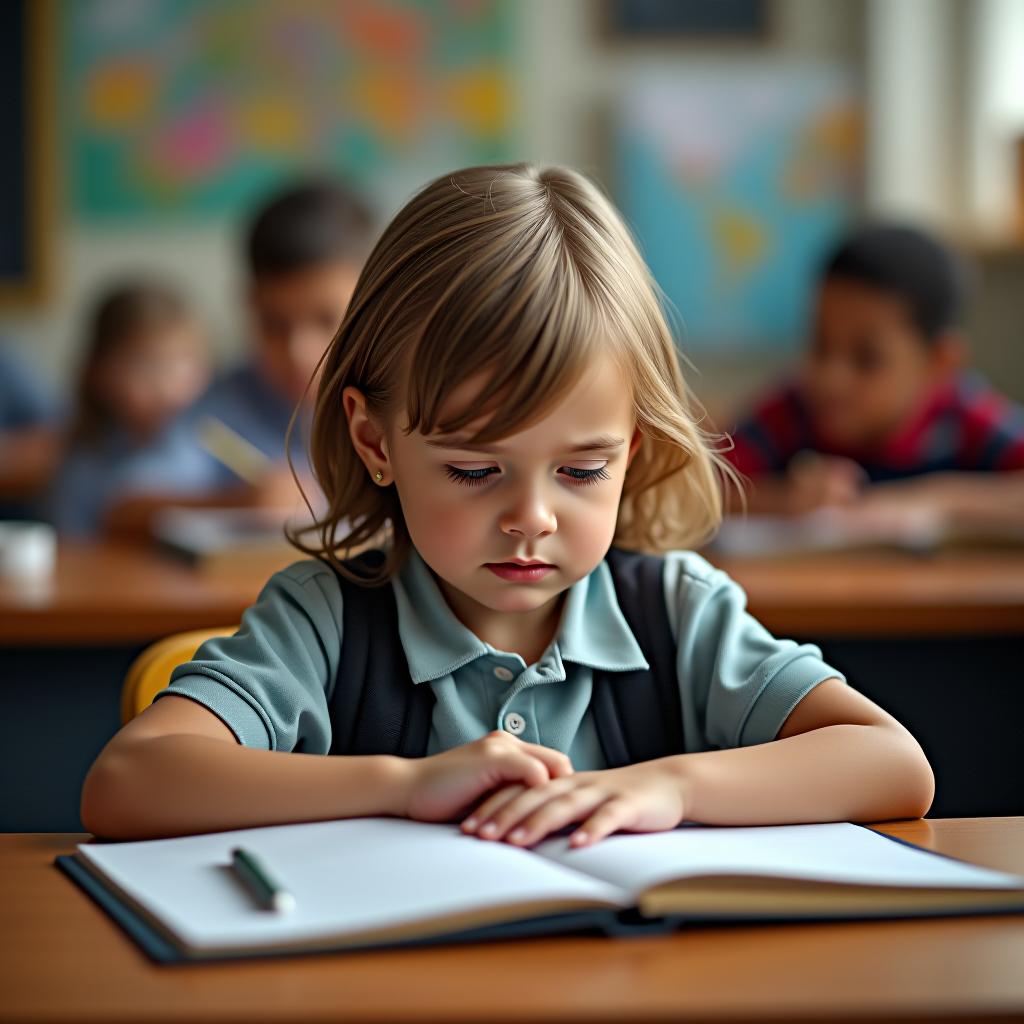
[(446, 785), (822, 481), (277, 489), (647, 797)]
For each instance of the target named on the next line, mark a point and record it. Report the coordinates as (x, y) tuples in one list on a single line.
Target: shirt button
[(514, 723), (503, 673)]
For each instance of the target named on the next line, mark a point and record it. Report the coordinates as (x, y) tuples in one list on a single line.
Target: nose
[(529, 516)]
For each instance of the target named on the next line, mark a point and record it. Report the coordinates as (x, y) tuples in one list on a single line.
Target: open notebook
[(384, 881)]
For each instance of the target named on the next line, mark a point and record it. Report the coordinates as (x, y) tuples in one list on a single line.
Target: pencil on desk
[(229, 447), (270, 894)]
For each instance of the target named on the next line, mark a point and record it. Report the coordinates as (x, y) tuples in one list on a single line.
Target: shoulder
[(237, 385), (695, 589), (992, 425)]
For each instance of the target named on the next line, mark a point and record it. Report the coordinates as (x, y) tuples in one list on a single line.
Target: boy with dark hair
[(881, 409), (304, 251)]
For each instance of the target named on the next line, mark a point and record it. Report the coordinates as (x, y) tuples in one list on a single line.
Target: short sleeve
[(270, 681), (738, 683)]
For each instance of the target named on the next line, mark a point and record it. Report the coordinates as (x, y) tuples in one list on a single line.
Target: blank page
[(831, 852), (346, 876)]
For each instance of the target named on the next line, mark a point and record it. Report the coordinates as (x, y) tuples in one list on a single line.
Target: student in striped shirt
[(882, 412)]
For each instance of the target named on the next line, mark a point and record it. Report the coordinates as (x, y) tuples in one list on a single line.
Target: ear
[(368, 437), (949, 353), (634, 444)]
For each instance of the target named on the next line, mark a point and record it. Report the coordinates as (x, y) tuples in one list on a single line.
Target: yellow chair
[(151, 670)]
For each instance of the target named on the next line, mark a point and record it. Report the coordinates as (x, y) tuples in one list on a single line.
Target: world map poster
[(196, 107), (736, 181)]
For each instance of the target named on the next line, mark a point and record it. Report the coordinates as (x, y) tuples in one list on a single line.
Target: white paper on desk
[(346, 876), (832, 852)]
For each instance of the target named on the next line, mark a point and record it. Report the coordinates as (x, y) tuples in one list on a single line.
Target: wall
[(568, 76)]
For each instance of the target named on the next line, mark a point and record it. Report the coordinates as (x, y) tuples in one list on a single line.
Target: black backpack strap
[(375, 708), (638, 715)]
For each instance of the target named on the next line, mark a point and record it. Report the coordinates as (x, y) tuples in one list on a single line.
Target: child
[(304, 251), (503, 402), (882, 411), (145, 362)]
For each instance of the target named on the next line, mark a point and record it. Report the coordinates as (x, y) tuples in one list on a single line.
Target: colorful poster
[(736, 180), (196, 107)]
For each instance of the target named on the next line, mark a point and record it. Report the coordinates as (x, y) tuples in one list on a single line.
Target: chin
[(516, 599)]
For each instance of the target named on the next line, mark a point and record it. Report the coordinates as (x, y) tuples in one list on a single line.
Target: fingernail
[(469, 824), (489, 829), (517, 836), (578, 838)]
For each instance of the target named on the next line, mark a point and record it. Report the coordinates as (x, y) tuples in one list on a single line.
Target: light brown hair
[(520, 272)]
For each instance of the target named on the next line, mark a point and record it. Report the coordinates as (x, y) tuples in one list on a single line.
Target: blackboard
[(26, 172)]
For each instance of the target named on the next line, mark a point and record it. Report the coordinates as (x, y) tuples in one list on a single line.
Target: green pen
[(270, 894)]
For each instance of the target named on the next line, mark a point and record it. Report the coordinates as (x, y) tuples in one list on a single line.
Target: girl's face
[(547, 495), (147, 383)]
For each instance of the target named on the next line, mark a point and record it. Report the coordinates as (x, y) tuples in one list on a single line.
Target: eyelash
[(475, 477)]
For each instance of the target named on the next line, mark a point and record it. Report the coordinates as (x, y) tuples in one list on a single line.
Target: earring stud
[(378, 476)]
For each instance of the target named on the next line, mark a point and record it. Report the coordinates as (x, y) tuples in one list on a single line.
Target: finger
[(508, 764), (511, 812), (555, 814), (557, 763), (611, 815), (490, 805)]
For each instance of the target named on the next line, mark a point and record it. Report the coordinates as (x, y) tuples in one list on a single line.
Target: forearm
[(183, 784), (835, 773)]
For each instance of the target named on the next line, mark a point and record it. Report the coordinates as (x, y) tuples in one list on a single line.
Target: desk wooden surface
[(62, 959), (121, 595)]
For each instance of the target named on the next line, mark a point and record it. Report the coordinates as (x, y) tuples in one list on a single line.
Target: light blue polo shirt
[(271, 682)]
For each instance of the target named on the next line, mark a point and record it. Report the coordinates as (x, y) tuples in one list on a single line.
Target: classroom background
[(738, 138)]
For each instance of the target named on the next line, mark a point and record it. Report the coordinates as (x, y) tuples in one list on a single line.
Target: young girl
[(503, 402), (145, 362)]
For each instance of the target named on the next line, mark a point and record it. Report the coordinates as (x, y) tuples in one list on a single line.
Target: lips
[(520, 572)]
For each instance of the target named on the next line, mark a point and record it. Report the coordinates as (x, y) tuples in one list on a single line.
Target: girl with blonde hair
[(501, 622)]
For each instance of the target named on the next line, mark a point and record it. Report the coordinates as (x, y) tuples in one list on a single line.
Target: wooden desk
[(62, 959), (115, 594), (119, 594), (891, 594)]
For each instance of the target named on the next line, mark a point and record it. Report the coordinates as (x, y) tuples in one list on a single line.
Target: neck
[(527, 634)]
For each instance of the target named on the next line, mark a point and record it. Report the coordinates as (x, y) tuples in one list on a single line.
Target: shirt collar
[(593, 630)]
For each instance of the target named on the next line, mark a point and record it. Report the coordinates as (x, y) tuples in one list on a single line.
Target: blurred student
[(304, 251), (146, 361), (882, 414), (29, 437)]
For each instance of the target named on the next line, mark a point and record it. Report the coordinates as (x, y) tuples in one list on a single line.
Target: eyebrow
[(597, 444)]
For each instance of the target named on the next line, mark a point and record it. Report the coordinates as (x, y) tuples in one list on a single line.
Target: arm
[(177, 769), (838, 757), (961, 498), (132, 515)]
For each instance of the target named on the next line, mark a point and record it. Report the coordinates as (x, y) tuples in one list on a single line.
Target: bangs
[(528, 332)]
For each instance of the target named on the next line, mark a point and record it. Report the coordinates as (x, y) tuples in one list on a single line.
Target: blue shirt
[(271, 682), (245, 401), (24, 401)]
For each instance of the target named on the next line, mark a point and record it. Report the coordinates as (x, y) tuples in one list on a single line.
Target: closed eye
[(474, 477)]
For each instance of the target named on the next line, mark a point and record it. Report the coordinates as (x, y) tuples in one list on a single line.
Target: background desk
[(936, 641), (62, 959)]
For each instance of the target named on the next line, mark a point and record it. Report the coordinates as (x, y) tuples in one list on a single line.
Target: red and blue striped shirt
[(964, 425)]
